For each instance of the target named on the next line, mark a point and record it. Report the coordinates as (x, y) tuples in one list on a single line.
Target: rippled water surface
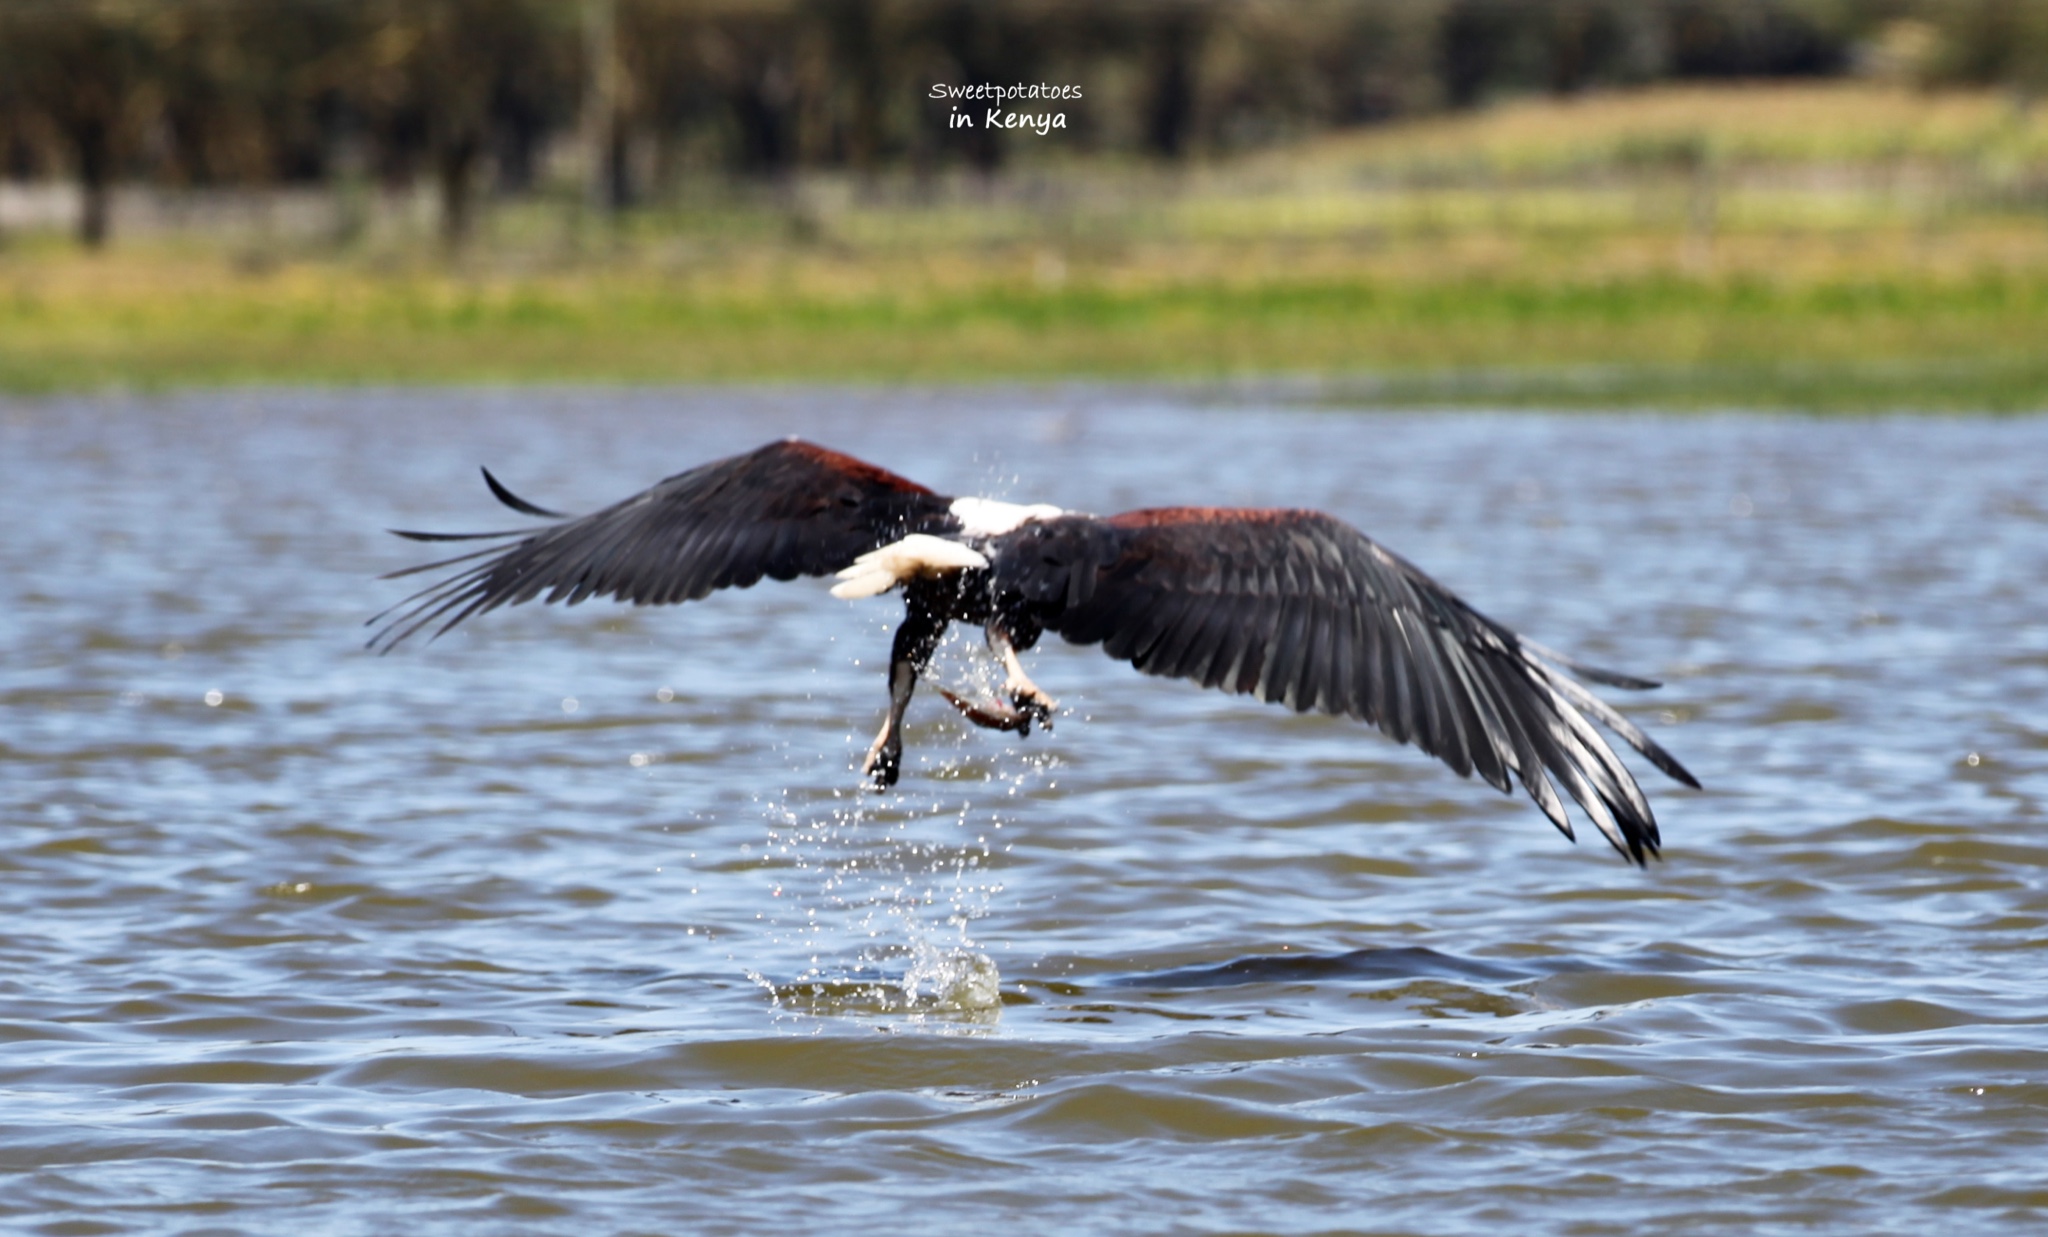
[(574, 922)]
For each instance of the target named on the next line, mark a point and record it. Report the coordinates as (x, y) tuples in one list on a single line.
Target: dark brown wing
[(1299, 608), (789, 509)]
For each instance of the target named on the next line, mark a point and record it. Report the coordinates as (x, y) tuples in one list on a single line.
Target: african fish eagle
[(1292, 606)]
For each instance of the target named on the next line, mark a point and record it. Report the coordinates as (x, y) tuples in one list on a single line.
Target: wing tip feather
[(514, 501)]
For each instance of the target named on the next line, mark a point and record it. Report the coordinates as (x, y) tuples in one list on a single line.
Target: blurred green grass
[(1834, 247)]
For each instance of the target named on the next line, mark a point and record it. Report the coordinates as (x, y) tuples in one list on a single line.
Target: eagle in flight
[(1294, 607)]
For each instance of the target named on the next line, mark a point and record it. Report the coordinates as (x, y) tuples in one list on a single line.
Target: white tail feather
[(917, 555)]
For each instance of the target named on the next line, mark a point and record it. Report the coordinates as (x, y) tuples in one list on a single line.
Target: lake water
[(575, 921)]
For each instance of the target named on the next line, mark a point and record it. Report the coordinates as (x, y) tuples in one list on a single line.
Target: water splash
[(877, 899), (959, 986), (874, 898), (964, 665)]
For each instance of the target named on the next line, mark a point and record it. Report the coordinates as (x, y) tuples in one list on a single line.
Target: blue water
[(576, 920)]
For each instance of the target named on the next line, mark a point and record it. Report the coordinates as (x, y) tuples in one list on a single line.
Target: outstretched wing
[(1299, 608), (789, 509)]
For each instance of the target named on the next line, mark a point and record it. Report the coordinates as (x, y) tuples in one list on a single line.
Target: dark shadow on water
[(1403, 962)]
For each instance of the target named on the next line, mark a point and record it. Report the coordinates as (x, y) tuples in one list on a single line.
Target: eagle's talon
[(882, 767), (1034, 705)]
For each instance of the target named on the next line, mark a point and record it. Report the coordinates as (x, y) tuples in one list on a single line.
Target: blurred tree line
[(483, 96)]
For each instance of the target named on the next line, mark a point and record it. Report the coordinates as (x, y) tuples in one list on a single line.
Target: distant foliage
[(626, 99), (1983, 42)]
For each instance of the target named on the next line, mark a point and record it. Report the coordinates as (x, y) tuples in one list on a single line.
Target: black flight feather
[(515, 502)]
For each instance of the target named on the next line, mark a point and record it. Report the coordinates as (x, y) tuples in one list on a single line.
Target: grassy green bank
[(1846, 248), (1889, 342)]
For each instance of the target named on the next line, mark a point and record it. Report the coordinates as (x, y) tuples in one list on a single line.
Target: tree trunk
[(600, 120), (93, 140), (1170, 111), (455, 169)]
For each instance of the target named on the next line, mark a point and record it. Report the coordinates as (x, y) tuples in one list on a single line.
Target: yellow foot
[(1027, 699)]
